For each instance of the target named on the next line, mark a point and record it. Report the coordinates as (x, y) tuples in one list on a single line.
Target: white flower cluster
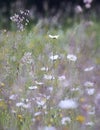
[(20, 19), (27, 58)]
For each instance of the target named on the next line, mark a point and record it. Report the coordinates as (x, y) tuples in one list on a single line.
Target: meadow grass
[(50, 83)]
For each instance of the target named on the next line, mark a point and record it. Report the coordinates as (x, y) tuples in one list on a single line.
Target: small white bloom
[(90, 91), (39, 83), (54, 57), (44, 69), (89, 123), (19, 104), (89, 68), (65, 120), (25, 100), (26, 105), (27, 58), (54, 36), (71, 57), (91, 111), (78, 9), (61, 77), (88, 5), (75, 89), (33, 87), (68, 104), (13, 111), (13, 97), (47, 128), (49, 77), (87, 1), (37, 113), (50, 89), (40, 103), (88, 84)]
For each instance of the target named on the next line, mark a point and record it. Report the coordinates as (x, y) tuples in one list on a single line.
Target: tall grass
[(50, 83)]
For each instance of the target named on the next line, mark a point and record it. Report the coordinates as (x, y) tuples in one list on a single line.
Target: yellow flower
[(20, 117), (82, 99), (80, 118), (2, 84)]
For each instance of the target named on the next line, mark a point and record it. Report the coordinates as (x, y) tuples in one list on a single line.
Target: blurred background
[(59, 10)]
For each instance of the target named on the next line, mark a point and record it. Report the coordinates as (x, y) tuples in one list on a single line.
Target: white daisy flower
[(19, 104), (65, 120), (54, 57), (61, 77), (78, 9), (26, 105), (13, 97), (75, 89), (89, 123), (90, 91), (89, 68), (71, 57), (39, 83), (54, 36), (49, 77), (88, 84), (37, 113), (44, 69), (41, 103), (33, 87), (68, 104)]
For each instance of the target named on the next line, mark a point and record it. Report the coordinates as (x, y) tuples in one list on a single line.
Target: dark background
[(43, 8)]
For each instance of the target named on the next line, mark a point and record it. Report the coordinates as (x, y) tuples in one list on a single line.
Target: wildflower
[(89, 68), (91, 111), (87, 1), (71, 57), (20, 117), (54, 57), (90, 91), (20, 19), (26, 105), (88, 84), (2, 84), (37, 113), (89, 123), (13, 97), (75, 89), (41, 103), (61, 77), (19, 104), (88, 5), (47, 128), (78, 9), (54, 36), (68, 104), (65, 120), (27, 58), (50, 88), (39, 83), (49, 77), (33, 87), (44, 69), (80, 118), (82, 99)]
